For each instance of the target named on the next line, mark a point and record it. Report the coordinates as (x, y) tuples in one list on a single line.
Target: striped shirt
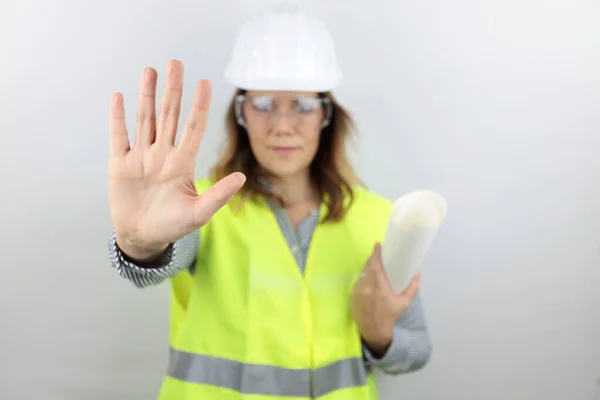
[(410, 348)]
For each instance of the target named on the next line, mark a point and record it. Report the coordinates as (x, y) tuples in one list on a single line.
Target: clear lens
[(261, 104), (305, 105), (266, 109)]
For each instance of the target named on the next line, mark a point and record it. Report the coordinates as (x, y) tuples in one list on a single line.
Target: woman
[(278, 289)]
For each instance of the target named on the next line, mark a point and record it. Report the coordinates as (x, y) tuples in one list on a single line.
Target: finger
[(196, 123), (413, 287), (119, 141), (146, 112), (170, 106), (416, 278), (216, 197)]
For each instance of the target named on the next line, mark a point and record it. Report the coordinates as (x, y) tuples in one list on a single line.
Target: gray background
[(496, 104)]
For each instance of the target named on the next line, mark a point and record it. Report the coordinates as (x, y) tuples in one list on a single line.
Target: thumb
[(372, 260), (378, 255), (219, 194), (375, 264)]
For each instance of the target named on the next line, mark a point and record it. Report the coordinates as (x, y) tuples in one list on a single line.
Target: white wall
[(494, 103)]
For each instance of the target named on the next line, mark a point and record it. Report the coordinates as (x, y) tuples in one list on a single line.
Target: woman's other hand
[(376, 306)]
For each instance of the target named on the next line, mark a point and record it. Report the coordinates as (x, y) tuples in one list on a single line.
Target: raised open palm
[(152, 197)]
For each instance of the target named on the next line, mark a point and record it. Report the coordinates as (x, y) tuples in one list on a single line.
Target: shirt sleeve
[(178, 257), (411, 346)]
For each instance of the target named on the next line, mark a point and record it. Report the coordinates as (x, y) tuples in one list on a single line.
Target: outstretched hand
[(152, 196)]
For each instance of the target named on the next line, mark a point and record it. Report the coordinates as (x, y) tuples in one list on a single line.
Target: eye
[(307, 104), (262, 103)]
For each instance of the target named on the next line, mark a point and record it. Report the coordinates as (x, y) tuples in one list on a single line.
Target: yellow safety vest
[(249, 325)]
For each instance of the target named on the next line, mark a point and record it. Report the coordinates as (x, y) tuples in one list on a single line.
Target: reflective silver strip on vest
[(265, 379)]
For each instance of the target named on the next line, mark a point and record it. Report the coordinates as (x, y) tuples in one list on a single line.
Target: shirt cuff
[(396, 354), (159, 266)]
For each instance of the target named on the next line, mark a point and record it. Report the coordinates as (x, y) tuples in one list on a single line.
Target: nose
[(282, 124)]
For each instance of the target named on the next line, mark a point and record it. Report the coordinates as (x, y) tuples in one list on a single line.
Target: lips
[(284, 149)]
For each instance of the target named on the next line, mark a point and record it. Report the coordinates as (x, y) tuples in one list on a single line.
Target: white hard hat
[(284, 50)]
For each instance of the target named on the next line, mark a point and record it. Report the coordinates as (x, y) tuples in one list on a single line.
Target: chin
[(283, 171)]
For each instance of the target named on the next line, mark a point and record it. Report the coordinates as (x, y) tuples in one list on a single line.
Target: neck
[(294, 189)]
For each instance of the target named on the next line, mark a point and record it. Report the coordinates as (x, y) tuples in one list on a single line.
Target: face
[(284, 128)]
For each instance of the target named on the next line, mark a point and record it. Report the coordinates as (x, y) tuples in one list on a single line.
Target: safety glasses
[(266, 110)]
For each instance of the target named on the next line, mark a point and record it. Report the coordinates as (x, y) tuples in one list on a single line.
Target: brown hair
[(332, 174)]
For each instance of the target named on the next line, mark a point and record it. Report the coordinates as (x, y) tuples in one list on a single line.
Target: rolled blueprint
[(415, 220)]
